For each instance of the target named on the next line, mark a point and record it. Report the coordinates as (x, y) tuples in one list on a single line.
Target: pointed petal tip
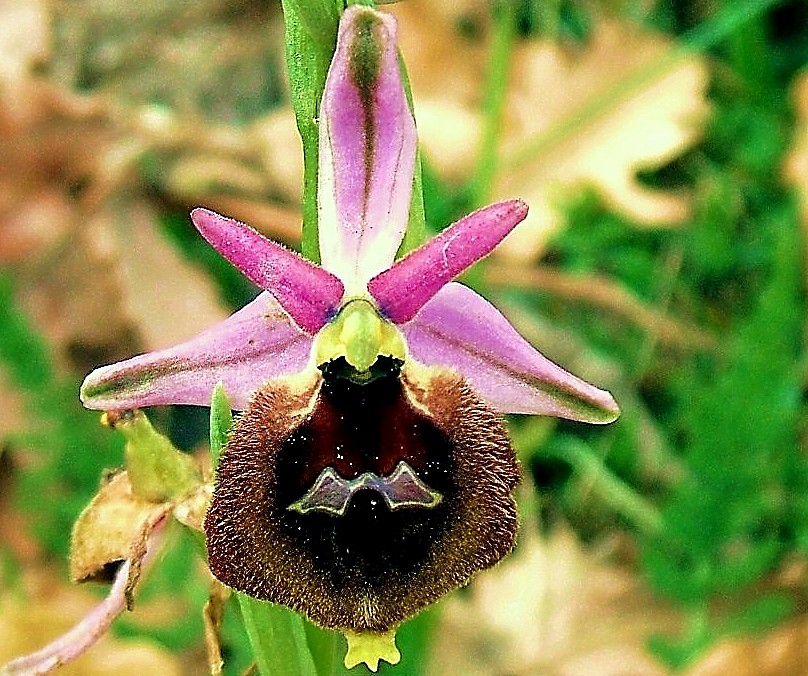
[(103, 386), (207, 221), (519, 206), (201, 213), (403, 289), (602, 409), (310, 294), (86, 391)]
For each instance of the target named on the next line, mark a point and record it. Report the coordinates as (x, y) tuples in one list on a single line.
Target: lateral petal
[(310, 294), (252, 346), (404, 288), (462, 331), (367, 151)]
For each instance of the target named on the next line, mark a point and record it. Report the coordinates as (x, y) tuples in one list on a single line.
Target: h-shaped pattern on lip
[(332, 494)]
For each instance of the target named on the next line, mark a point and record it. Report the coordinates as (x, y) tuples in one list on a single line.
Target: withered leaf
[(114, 527), (552, 92), (212, 615)]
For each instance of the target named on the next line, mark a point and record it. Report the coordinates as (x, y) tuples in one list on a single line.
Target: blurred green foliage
[(722, 501), (66, 447)]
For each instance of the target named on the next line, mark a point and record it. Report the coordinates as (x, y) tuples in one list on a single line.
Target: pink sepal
[(249, 348), (462, 331)]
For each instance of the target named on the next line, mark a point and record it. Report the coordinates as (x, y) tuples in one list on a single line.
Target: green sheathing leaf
[(278, 638), (416, 233), (221, 420)]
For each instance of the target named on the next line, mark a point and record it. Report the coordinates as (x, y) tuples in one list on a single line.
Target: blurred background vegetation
[(663, 148)]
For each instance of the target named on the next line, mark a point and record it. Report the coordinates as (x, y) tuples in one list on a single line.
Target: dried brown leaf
[(191, 510), (167, 299), (444, 45), (781, 652), (213, 615), (114, 527), (277, 140), (276, 222), (566, 122), (796, 162), (117, 286), (24, 42), (657, 121)]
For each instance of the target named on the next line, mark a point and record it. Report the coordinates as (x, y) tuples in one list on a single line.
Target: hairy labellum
[(359, 503)]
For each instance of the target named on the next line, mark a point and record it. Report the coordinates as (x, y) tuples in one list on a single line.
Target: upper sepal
[(367, 151)]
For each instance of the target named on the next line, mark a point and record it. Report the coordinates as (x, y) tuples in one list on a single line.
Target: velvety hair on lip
[(371, 568)]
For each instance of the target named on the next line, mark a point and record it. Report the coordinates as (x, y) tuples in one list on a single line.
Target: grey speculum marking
[(332, 494)]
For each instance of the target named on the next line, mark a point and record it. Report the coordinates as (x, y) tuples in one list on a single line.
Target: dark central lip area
[(356, 439), (365, 482), (331, 493)]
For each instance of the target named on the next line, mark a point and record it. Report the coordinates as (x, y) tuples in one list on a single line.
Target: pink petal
[(256, 344), (308, 293), (460, 330), (367, 151), (404, 289)]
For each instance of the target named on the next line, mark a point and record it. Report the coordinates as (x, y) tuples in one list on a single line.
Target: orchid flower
[(370, 472)]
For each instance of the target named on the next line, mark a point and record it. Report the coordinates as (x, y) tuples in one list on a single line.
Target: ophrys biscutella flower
[(370, 472)]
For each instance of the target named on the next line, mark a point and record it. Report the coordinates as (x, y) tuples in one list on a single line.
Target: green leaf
[(221, 420), (278, 638), (157, 469)]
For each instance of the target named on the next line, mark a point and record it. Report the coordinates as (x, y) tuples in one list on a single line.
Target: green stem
[(277, 637), (311, 33), (221, 420), (708, 34), (310, 243), (607, 486), (494, 106), (416, 232), (548, 18)]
